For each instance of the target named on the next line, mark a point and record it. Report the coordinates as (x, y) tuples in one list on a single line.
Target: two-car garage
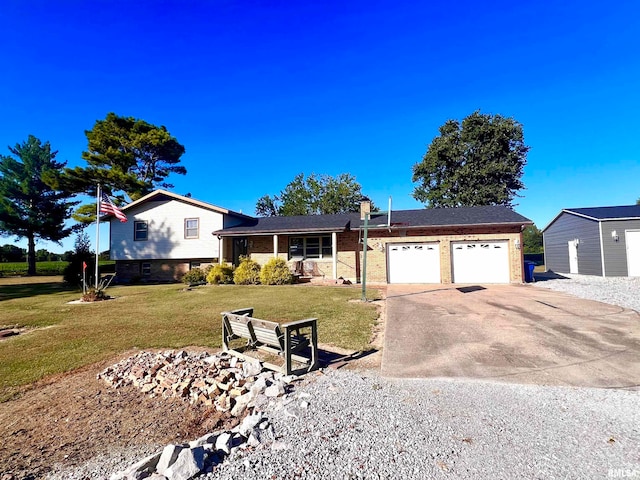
[(471, 262)]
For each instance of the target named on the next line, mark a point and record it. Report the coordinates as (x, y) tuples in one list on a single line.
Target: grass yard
[(153, 316)]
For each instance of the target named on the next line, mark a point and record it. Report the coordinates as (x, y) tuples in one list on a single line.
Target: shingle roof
[(434, 217), (608, 213), (301, 223)]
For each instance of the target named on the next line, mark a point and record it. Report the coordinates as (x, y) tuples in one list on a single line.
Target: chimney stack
[(365, 207)]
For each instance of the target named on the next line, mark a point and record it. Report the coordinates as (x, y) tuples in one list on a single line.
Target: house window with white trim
[(191, 228), (140, 231), (310, 247)]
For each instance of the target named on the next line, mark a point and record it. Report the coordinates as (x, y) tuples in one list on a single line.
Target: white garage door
[(633, 252), (413, 262), (480, 262)]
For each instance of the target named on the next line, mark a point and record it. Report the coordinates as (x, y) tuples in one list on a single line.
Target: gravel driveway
[(623, 291), (363, 426)]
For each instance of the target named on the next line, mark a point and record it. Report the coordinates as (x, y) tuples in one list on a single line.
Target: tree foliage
[(126, 156), (316, 194), (82, 255), (31, 206), (477, 162), (532, 240)]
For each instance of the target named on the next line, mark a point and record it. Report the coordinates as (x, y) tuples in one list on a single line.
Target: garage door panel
[(413, 263), (480, 262)]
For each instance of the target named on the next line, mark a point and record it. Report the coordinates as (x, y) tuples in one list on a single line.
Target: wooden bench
[(293, 340)]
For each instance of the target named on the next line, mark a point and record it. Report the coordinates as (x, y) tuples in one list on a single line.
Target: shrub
[(247, 273), (220, 274), (195, 276), (275, 272)]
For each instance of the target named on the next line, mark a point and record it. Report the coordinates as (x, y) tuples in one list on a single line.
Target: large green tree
[(31, 206), (532, 240), (128, 157), (315, 194), (478, 161)]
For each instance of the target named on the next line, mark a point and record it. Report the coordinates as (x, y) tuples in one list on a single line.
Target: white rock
[(251, 368), (274, 390), (241, 403), (249, 423), (140, 469), (168, 457), (189, 463), (224, 442)]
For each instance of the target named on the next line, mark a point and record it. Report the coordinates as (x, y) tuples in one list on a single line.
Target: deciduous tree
[(477, 162), (128, 157), (532, 240), (30, 205), (316, 194)]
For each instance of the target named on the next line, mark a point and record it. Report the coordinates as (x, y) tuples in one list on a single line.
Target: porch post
[(334, 252), (220, 250), (275, 246)]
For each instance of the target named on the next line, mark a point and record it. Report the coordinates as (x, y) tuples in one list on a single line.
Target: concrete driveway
[(513, 333)]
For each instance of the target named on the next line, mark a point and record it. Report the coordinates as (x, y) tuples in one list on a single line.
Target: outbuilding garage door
[(633, 252), (480, 262), (413, 262)]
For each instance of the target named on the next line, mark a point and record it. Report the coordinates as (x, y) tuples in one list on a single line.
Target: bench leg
[(287, 353), (314, 350)]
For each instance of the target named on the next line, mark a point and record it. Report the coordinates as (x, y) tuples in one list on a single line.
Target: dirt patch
[(71, 418)]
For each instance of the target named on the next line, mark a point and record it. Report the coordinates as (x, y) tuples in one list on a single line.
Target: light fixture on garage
[(615, 236), (517, 243)]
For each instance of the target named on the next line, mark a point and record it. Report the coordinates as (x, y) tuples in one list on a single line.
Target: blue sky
[(260, 91)]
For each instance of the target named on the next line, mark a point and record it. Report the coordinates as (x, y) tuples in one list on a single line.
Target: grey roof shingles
[(608, 213), (433, 217)]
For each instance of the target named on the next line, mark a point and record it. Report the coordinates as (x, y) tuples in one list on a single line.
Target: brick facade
[(132, 271), (350, 250)]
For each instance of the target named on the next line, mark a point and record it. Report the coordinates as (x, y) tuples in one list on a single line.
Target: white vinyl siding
[(166, 232)]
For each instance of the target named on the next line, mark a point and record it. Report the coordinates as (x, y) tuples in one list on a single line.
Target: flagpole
[(97, 233)]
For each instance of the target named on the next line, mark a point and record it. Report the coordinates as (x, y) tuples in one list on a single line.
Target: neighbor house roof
[(602, 214), (163, 195), (433, 217)]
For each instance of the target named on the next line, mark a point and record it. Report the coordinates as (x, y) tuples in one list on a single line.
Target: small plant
[(220, 274), (93, 295), (195, 276), (275, 272), (247, 273)]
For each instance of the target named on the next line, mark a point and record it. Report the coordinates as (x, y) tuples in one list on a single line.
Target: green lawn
[(154, 316)]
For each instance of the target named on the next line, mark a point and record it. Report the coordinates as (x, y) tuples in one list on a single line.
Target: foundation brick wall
[(161, 270)]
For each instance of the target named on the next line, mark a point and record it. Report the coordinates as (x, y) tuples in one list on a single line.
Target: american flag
[(107, 206)]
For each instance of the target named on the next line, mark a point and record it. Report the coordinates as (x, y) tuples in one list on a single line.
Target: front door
[(239, 249), (573, 256), (632, 239)]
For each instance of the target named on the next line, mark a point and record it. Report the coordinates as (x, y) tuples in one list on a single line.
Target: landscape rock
[(168, 457), (189, 463)]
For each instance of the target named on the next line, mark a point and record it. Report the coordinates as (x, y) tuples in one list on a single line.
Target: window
[(140, 231), (145, 269), (310, 247), (191, 229)]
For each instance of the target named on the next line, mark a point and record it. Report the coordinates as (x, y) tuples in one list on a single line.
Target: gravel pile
[(348, 425), (622, 291)]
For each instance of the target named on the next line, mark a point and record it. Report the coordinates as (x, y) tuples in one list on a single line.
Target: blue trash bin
[(528, 271)]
